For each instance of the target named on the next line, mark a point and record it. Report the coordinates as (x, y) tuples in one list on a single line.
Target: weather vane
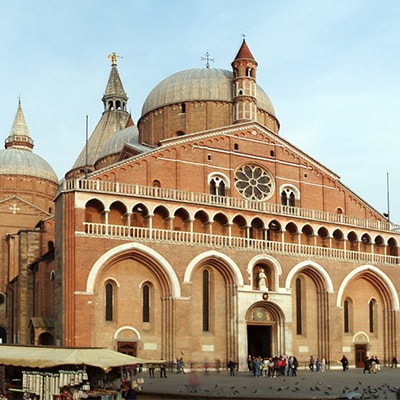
[(113, 57), (208, 59)]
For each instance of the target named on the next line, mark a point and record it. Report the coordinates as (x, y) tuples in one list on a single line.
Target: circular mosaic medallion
[(254, 182)]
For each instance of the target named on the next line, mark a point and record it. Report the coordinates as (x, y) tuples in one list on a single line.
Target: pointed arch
[(213, 254), (379, 273), (308, 263), (124, 248)]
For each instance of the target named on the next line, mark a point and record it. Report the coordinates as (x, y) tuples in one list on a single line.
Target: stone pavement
[(331, 384)]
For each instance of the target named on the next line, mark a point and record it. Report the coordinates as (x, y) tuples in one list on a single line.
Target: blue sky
[(331, 69)]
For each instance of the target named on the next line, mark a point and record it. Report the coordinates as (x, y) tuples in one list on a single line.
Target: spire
[(244, 53), (114, 97), (114, 118), (19, 135)]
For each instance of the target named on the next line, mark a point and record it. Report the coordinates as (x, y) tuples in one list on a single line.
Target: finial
[(208, 59), (113, 57), (244, 37)]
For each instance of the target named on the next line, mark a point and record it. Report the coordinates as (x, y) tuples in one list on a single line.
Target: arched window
[(346, 317), (109, 311), (299, 328), (372, 306), (288, 198), (217, 186), (206, 300), (146, 303)]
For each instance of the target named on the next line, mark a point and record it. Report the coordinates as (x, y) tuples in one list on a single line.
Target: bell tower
[(244, 85)]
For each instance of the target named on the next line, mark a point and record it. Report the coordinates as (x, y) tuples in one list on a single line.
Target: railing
[(165, 194), (220, 241)]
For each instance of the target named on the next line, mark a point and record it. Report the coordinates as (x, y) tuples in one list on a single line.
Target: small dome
[(24, 162), (198, 85), (117, 142)]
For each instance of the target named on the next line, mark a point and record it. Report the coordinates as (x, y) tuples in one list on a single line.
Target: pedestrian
[(311, 363), (258, 365), (367, 365), (231, 367), (289, 366), (193, 381), (378, 364), (266, 366), (318, 365), (180, 366), (394, 362), (345, 363), (163, 371), (128, 393), (151, 370), (372, 366), (295, 366)]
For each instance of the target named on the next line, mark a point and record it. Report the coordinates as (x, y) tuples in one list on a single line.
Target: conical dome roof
[(18, 158)]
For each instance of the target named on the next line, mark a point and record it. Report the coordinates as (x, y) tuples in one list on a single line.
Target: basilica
[(195, 232)]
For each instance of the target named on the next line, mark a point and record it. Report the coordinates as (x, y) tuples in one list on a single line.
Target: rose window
[(254, 182)]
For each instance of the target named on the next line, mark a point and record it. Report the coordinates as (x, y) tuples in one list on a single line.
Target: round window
[(254, 182)]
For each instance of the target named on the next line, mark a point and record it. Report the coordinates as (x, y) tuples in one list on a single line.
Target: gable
[(16, 206), (187, 162)]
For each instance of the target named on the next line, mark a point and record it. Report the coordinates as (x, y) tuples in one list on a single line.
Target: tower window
[(236, 146), (183, 106)]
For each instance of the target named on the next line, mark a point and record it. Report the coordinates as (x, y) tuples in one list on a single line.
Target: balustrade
[(165, 194), (221, 241)]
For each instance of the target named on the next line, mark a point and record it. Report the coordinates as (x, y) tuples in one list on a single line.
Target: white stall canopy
[(47, 357)]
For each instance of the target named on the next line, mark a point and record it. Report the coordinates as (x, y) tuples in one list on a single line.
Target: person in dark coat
[(128, 393)]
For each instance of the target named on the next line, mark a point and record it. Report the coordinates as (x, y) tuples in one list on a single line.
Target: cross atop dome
[(207, 59)]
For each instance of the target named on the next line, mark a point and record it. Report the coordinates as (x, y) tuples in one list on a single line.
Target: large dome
[(198, 85), (24, 162)]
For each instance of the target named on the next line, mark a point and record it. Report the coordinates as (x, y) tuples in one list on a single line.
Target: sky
[(330, 68)]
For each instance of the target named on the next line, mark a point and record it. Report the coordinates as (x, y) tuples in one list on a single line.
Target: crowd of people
[(371, 365), (273, 366)]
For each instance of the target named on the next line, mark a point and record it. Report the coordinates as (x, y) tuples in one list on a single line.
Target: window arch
[(94, 211), (206, 300), (109, 301), (299, 325), (372, 315), (218, 185), (146, 303), (347, 315), (289, 195)]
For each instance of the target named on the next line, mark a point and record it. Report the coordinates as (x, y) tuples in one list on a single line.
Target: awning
[(47, 357)]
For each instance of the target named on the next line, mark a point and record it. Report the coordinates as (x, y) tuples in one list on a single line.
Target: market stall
[(61, 373)]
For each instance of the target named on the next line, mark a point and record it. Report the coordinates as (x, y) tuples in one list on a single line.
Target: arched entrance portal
[(259, 340), (264, 330)]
